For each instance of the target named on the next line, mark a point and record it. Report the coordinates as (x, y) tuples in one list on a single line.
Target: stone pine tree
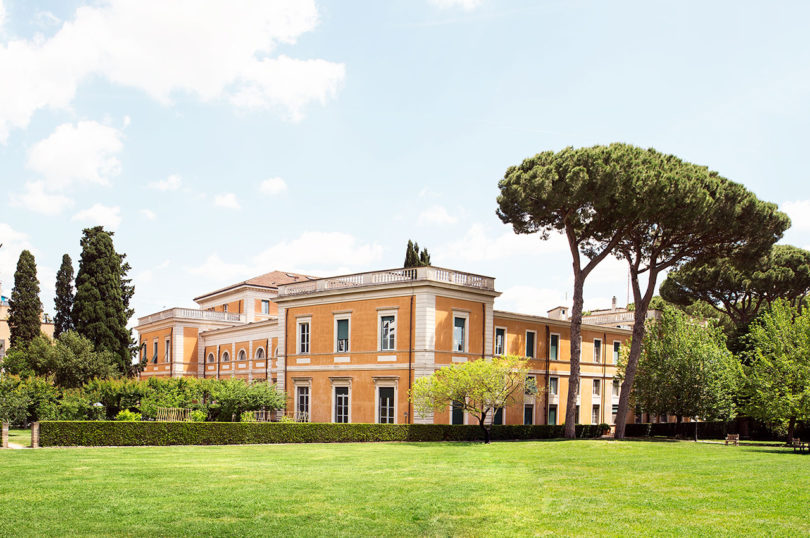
[(63, 321), (583, 194), (414, 257), (689, 214), (101, 305), (25, 307)]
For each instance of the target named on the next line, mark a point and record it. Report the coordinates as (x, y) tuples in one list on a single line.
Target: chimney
[(613, 304)]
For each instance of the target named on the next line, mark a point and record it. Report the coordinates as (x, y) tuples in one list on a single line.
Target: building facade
[(348, 348)]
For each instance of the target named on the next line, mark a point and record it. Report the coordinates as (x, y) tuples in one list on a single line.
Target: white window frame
[(340, 317), (340, 383), (303, 320), (534, 412), (534, 350), (241, 353), (598, 409), (298, 383), (210, 358), (155, 351), (386, 383), (223, 356), (495, 341), (551, 335), (265, 303), (597, 359), (615, 353), (597, 383), (555, 392), (380, 315), (256, 354), (616, 388), (466, 317), (225, 308), (556, 414), (167, 352)]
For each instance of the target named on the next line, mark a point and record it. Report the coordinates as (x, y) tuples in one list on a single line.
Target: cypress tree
[(415, 258), (25, 307), (101, 306), (63, 322)]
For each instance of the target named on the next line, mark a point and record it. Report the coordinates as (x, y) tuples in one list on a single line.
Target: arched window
[(276, 353), (225, 357), (242, 355), (260, 353), (210, 357), (143, 352)]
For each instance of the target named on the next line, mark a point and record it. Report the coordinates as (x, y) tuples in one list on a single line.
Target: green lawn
[(507, 488), (21, 437)]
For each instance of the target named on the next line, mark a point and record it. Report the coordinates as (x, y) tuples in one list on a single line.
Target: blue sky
[(225, 140)]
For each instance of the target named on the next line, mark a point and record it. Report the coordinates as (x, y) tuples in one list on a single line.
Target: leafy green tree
[(25, 307), (101, 305), (685, 369), (587, 194), (414, 257), (480, 387), (63, 322), (778, 379), (234, 396), (688, 214)]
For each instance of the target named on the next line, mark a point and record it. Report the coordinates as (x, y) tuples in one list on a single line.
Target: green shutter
[(343, 329)]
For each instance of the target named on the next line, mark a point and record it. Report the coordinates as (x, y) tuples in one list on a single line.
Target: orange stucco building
[(348, 348)]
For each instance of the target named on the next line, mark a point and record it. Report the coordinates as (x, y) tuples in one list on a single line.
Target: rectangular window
[(224, 308), (342, 404), (528, 414), (554, 347), (303, 337), (342, 344), (614, 413), (595, 415), (597, 350), (154, 352), (500, 341), (597, 387), (459, 334), (265, 307), (530, 339), (552, 414), (576, 415), (386, 405), (497, 418), (457, 416), (553, 385), (617, 346), (616, 388), (388, 333), (167, 351), (302, 404)]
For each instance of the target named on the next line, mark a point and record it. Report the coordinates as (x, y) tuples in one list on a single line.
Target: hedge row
[(112, 433), (747, 428)]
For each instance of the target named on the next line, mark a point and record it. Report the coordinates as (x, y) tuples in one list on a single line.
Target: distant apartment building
[(348, 348)]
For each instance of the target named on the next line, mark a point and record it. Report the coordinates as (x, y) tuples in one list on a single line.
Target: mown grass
[(21, 437), (467, 489)]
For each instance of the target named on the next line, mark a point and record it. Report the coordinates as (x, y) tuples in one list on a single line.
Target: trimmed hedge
[(747, 428), (111, 433)]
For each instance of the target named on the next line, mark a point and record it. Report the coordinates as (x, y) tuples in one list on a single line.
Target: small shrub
[(125, 415), (247, 416), (198, 415), (285, 419)]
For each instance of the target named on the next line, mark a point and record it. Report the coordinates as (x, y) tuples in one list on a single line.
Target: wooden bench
[(733, 438), (797, 444)]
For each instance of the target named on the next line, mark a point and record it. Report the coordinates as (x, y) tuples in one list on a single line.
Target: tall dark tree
[(101, 306), (582, 193), (689, 214), (63, 321), (414, 257), (25, 307)]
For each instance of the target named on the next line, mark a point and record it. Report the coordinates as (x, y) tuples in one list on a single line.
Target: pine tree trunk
[(576, 351)]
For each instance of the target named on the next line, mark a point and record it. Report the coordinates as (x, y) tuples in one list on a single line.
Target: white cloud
[(273, 185), (314, 253), (148, 214), (799, 213), (81, 153), (98, 214), (530, 300), (466, 5), (227, 200), (436, 215), (36, 199), (146, 276), (211, 50), (427, 192), (13, 242), (171, 183), (127, 121), (478, 245)]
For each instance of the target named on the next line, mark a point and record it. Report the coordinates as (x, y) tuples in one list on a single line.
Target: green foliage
[(414, 257), (101, 305), (778, 378), (63, 301), (127, 416), (113, 433), (198, 415), (233, 396), (24, 400), (14, 402), (25, 307), (247, 416), (478, 386), (685, 369)]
